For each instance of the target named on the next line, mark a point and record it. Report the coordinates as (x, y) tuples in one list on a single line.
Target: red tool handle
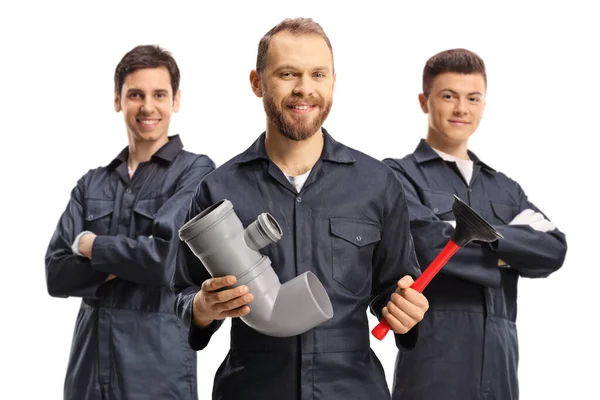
[(421, 283)]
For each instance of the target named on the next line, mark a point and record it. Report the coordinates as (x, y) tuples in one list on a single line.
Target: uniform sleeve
[(532, 253), (66, 273), (475, 263), (188, 277), (150, 260), (394, 256)]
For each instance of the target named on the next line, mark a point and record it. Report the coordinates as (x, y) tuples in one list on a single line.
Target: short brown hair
[(460, 61), (296, 26), (146, 56)]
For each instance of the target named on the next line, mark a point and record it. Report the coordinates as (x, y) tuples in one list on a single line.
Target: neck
[(457, 149), (141, 151), (293, 157)]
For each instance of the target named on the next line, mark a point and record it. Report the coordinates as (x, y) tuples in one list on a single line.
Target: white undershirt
[(464, 166), (298, 181)]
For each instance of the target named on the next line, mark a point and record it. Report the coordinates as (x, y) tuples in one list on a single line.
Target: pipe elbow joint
[(216, 236)]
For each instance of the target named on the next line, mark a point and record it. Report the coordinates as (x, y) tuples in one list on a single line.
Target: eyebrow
[(136, 90), (321, 69), (293, 68), (454, 92)]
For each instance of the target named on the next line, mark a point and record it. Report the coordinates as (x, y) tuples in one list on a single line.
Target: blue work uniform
[(349, 226), (128, 343), (468, 345)]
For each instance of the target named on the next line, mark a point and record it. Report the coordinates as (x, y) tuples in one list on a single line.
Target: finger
[(416, 298), (405, 282), (235, 313), (415, 312), (214, 284), (402, 317), (224, 296), (395, 325), (234, 303)]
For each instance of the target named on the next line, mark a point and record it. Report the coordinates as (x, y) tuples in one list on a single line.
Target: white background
[(540, 128)]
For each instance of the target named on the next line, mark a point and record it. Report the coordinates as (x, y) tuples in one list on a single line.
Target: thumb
[(405, 282)]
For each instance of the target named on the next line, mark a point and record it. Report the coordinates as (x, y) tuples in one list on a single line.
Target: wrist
[(197, 313), (85, 244), (76, 246)]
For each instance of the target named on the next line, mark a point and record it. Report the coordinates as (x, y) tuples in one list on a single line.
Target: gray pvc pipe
[(216, 236)]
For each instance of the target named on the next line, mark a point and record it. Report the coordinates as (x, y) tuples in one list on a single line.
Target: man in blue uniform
[(344, 218), (468, 341), (115, 247)]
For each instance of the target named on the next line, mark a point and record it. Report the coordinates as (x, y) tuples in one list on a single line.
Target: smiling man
[(115, 247), (343, 217), (468, 340)]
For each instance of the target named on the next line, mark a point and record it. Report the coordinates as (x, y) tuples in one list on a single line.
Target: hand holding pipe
[(469, 226), (216, 236)]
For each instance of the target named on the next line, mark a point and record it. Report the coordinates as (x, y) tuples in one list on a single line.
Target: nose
[(303, 86), (461, 107), (147, 106)]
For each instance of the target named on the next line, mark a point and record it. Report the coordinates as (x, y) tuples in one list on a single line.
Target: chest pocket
[(144, 213), (98, 214), (352, 243), (440, 203), (504, 212)]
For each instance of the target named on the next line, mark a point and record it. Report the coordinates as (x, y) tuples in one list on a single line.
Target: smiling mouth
[(301, 108), (148, 123)]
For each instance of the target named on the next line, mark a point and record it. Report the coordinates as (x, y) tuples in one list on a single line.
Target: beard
[(296, 128)]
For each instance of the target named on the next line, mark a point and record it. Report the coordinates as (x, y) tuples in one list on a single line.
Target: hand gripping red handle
[(421, 283)]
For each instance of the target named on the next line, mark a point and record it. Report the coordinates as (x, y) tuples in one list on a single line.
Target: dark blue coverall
[(128, 343), (468, 345), (349, 226)]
